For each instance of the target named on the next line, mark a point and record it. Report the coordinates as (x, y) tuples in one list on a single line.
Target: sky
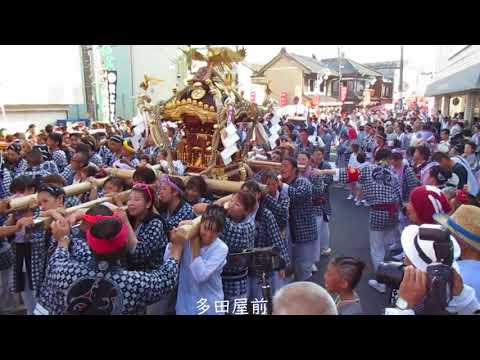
[(421, 57), (40, 74)]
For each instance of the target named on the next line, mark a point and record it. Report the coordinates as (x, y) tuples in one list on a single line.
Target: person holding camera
[(429, 281), (464, 225)]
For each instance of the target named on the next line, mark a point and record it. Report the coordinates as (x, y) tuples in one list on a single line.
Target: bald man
[(303, 298)]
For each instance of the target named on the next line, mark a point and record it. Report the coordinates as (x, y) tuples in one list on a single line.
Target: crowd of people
[(417, 174)]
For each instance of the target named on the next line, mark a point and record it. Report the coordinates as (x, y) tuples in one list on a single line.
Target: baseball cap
[(428, 200)]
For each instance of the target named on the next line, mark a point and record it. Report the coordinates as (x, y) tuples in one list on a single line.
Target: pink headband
[(144, 187)]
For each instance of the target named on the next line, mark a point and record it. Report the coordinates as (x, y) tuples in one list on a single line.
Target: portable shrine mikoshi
[(207, 110)]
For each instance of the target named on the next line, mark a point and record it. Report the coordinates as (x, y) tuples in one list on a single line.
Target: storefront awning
[(464, 80)]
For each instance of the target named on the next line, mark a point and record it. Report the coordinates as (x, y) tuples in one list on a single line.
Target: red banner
[(343, 93), (252, 97), (283, 98)]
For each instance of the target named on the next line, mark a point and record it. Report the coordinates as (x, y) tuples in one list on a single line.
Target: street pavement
[(349, 237)]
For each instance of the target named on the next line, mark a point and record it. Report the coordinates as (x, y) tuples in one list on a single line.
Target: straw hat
[(463, 223)]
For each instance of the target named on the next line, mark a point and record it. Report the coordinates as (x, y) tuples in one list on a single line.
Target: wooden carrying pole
[(260, 164), (75, 189), (193, 229), (47, 220)]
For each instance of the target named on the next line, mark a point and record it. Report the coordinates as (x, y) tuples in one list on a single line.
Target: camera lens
[(390, 274)]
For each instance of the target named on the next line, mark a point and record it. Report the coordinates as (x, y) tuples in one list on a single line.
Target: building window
[(335, 88), (360, 85), (311, 85), (350, 87), (322, 86), (476, 107)]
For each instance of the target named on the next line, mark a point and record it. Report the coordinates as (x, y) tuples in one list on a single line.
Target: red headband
[(92, 219), (106, 246)]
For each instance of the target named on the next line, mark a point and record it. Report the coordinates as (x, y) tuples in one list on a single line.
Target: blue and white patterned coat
[(135, 290), (303, 227), (184, 211), (60, 159), (267, 233), (279, 208), (152, 241), (380, 186), (238, 237), (19, 168)]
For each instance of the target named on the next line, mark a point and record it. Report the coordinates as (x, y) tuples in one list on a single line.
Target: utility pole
[(339, 73), (400, 87), (87, 67)]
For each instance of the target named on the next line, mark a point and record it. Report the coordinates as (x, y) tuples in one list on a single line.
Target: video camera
[(439, 283), (265, 260)]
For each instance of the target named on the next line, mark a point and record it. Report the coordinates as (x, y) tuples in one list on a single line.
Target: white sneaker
[(314, 268), (326, 252), (358, 203), (365, 203), (350, 197), (377, 286)]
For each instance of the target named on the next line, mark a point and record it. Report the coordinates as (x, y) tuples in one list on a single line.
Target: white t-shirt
[(353, 162)]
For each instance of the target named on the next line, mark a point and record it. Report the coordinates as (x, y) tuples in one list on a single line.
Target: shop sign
[(112, 95), (283, 98)]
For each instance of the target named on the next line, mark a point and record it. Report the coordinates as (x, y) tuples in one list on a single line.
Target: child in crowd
[(113, 185), (356, 161), (342, 277), (83, 175), (352, 162), (196, 191), (16, 226)]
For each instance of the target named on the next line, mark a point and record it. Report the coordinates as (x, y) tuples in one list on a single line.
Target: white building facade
[(38, 83), (456, 83)]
